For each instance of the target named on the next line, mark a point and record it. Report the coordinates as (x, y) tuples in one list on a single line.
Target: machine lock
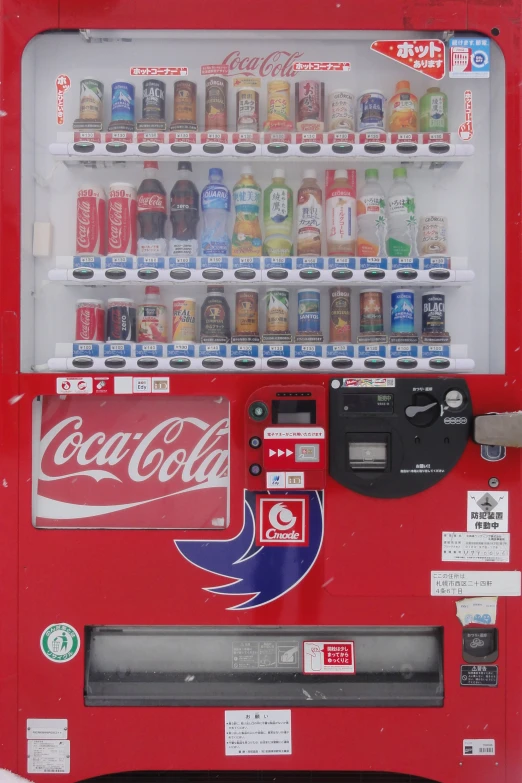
[(498, 429)]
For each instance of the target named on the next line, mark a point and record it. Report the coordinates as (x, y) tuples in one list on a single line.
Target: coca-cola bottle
[(184, 213), (152, 213)]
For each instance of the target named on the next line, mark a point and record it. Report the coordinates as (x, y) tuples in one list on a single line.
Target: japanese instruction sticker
[(63, 83), (51, 757), (480, 611), (328, 658), (476, 547), (479, 676), (162, 70), (476, 583), (258, 733), (424, 56), (469, 58), (478, 747), (488, 511)]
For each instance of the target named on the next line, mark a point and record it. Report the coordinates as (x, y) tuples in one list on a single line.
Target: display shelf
[(128, 270), (256, 357), (100, 147)]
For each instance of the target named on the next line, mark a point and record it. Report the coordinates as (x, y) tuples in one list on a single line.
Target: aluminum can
[(216, 103), (340, 315), (278, 104), (185, 105), (341, 110), (433, 313), (247, 312), (247, 110), (123, 213), (309, 101), (90, 220), (121, 320), (309, 310), (184, 320), (153, 100), (370, 110), (433, 235), (371, 312), (402, 310), (122, 102), (90, 320), (91, 100), (277, 321)]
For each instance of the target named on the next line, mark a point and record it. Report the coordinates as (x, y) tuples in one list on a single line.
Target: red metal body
[(375, 562)]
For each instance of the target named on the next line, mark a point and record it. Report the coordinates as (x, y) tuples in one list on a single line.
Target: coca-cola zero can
[(90, 317), (123, 208), (90, 221), (121, 320)]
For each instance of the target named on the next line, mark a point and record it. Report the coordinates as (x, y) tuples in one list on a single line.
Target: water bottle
[(215, 205), (371, 217), (402, 223)]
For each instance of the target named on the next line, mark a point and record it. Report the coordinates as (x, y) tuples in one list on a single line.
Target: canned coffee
[(216, 103), (402, 311), (371, 313), (433, 313), (91, 100), (309, 310), (277, 311), (247, 319), (340, 317), (153, 100), (184, 106)]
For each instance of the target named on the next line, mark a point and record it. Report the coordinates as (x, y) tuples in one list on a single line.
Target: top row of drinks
[(403, 112)]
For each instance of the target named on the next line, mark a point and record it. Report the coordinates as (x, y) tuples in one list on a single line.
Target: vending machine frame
[(319, 739)]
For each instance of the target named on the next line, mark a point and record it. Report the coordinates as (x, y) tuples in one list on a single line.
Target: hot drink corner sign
[(425, 56)]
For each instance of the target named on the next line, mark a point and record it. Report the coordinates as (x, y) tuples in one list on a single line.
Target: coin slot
[(374, 363), (115, 362), (245, 148), (309, 274), (115, 273), (439, 274), (342, 363), (439, 147), (309, 363), (82, 362), (83, 147), (213, 148), (83, 274), (277, 274), (406, 274), (245, 363), (212, 363), (406, 147), (310, 148), (277, 363), (375, 147), (149, 148), (180, 363), (277, 148), (148, 274), (180, 274), (245, 274), (147, 362), (342, 274), (340, 148), (116, 147), (181, 147), (212, 274)]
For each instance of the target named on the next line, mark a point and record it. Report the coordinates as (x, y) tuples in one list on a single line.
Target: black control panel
[(394, 437)]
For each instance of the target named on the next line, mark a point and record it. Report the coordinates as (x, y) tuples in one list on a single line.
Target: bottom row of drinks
[(148, 322)]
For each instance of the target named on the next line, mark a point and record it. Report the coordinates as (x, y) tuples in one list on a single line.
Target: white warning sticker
[(487, 511), (328, 658), (478, 747), (476, 547), (475, 583), (258, 732), (49, 757)]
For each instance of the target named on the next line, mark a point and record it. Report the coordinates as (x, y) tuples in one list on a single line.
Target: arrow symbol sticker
[(271, 452), (288, 452), (280, 452)]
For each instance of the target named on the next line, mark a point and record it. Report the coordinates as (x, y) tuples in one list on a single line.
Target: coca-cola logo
[(112, 461), (85, 222), (152, 202), (279, 63), (115, 223)]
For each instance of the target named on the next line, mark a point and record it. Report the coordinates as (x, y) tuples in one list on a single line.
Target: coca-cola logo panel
[(274, 64), (133, 463)]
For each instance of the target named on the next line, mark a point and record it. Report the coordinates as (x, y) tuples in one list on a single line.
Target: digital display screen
[(366, 402), (293, 412)]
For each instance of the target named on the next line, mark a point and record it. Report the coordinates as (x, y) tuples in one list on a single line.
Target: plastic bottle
[(434, 111), (215, 206), (246, 238), (403, 109), (402, 224), (152, 213), (184, 213), (152, 318), (278, 209), (371, 217), (340, 214), (309, 215)]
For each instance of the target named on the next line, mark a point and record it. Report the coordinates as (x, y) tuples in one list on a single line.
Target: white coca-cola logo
[(151, 201), (206, 464), (85, 222), (278, 63), (115, 223)]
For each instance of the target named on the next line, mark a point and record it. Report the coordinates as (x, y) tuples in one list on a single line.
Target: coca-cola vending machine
[(260, 296)]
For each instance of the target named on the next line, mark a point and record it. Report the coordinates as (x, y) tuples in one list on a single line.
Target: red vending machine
[(260, 300)]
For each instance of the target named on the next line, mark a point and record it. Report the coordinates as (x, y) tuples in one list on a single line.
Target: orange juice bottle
[(403, 109)]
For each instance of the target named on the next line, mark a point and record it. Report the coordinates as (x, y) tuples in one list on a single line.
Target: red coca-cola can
[(90, 320), (123, 221), (90, 221)]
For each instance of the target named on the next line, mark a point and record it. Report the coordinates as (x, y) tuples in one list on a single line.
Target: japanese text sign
[(424, 56)]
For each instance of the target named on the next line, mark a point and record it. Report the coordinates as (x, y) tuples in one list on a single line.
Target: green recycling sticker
[(60, 642)]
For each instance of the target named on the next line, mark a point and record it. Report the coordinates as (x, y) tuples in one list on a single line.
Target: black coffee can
[(121, 320), (433, 312), (153, 100)]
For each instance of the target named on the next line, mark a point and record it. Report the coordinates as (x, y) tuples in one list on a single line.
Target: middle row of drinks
[(345, 223), (123, 321)]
